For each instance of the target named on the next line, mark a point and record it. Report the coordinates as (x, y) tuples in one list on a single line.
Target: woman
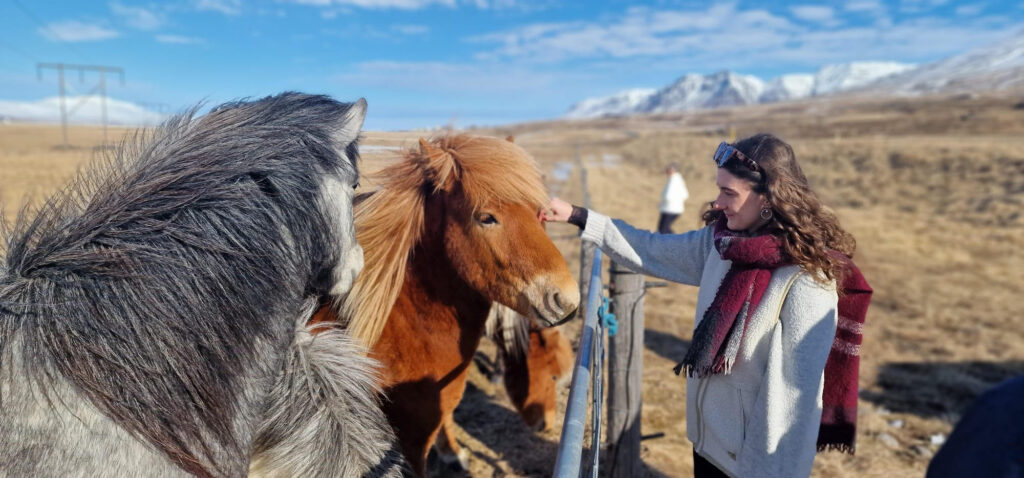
[(767, 264)]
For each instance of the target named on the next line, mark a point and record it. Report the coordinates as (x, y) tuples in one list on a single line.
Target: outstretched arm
[(676, 257)]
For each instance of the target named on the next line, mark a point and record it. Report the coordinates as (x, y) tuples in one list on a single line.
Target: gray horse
[(152, 314)]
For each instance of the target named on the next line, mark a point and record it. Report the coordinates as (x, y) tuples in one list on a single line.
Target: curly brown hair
[(808, 230)]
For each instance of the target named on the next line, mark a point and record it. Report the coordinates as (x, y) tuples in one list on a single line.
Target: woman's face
[(737, 199)]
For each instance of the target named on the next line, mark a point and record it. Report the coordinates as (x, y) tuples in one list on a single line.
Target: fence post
[(586, 266), (586, 248), (570, 447), (625, 373)]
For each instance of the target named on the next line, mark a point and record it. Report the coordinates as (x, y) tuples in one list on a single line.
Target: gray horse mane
[(155, 279), (509, 330), (325, 409)]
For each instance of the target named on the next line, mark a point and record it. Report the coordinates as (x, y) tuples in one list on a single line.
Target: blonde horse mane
[(390, 222)]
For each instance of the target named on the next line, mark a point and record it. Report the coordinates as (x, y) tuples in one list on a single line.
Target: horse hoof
[(455, 465)]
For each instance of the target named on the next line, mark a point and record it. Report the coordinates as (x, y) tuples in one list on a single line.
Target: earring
[(766, 214)]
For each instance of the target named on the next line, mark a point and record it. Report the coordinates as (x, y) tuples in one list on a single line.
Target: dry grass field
[(933, 190)]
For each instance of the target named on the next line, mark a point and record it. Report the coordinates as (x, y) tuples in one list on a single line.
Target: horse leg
[(499, 365), (415, 450), (454, 458)]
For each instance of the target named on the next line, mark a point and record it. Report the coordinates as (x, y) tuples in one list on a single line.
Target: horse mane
[(509, 330), (390, 223), (156, 281)]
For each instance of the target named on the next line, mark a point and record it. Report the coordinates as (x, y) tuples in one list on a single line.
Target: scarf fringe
[(693, 371), (840, 447)]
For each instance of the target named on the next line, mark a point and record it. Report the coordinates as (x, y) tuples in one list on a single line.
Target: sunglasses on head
[(726, 151)]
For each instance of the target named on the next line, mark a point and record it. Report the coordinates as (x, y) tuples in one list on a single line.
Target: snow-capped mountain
[(624, 102), (725, 88), (83, 109), (989, 68), (842, 77), (788, 87), (705, 91)]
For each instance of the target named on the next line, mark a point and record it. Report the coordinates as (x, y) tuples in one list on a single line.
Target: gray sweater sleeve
[(783, 426), (676, 257)]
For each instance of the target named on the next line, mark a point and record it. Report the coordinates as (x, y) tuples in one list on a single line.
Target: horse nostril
[(557, 303)]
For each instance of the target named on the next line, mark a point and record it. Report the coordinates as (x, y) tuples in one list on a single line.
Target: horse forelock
[(160, 279), (390, 223), (494, 170)]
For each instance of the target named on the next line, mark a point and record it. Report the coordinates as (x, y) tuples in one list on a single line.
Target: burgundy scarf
[(716, 341)]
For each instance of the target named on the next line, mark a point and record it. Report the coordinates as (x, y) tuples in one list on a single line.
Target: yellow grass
[(932, 189)]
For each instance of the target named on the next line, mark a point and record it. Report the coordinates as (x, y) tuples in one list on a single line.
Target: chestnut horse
[(452, 229), (532, 361)]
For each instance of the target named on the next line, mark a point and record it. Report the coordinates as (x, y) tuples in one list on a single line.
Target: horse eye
[(487, 219)]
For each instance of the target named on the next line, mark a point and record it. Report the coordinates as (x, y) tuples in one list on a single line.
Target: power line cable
[(18, 51), (45, 27)]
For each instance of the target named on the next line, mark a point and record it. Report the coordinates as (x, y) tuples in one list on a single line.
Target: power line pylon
[(101, 87)]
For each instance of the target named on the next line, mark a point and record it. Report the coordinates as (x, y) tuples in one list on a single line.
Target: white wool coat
[(674, 195), (760, 420)]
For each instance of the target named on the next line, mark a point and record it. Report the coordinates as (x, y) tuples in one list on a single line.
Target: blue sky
[(424, 63)]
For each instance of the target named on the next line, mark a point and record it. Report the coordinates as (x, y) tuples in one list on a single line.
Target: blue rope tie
[(607, 318)]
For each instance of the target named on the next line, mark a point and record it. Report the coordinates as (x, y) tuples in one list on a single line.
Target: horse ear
[(350, 124), (440, 166), (510, 139), (426, 149)]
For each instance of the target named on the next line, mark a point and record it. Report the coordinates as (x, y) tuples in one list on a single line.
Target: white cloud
[(970, 10), (870, 6), (509, 4), (755, 39), (642, 32), (917, 6), (452, 78), (76, 31), (89, 111), (332, 13), (377, 4), (179, 39), (333, 8), (814, 13), (137, 17), (411, 29), (227, 7)]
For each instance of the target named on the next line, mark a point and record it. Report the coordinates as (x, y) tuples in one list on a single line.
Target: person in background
[(672, 199), (989, 440), (779, 298)]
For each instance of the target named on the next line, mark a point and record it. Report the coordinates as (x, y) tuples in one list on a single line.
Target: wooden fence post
[(586, 248), (625, 373)]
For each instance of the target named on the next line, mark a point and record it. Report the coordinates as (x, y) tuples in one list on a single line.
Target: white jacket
[(762, 419), (674, 195)]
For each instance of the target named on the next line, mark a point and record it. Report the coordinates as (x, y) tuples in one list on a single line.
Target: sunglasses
[(726, 151)]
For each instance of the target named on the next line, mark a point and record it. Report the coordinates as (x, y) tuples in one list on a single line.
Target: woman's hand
[(557, 211)]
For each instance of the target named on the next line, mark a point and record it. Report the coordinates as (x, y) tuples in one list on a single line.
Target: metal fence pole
[(597, 396), (625, 373), (570, 447)]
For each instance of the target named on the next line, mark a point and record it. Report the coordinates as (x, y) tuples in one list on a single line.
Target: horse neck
[(449, 298), (438, 302)]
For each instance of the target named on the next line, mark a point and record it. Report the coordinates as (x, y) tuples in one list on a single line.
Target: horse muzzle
[(554, 305)]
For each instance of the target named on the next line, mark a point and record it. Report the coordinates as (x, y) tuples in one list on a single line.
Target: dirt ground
[(932, 189)]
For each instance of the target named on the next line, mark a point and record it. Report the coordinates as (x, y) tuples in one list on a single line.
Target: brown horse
[(452, 229), (532, 361)]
